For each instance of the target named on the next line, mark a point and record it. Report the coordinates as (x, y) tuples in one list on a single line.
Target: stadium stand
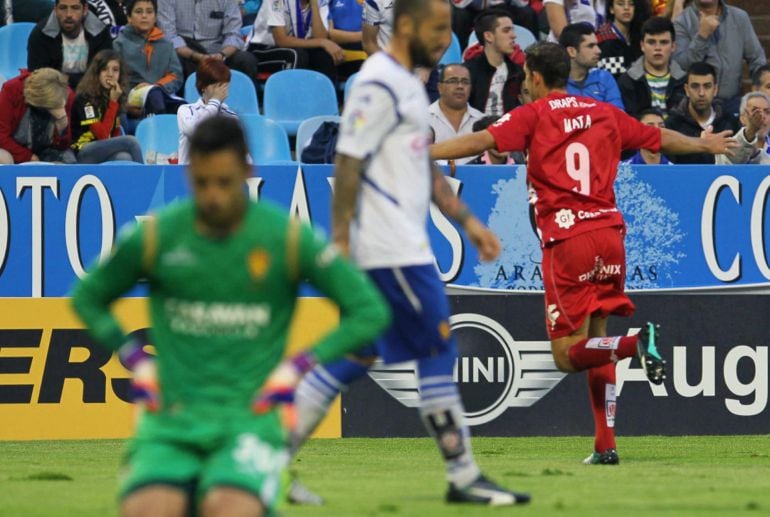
[(292, 96), (159, 138), (268, 142), (242, 97), (13, 47)]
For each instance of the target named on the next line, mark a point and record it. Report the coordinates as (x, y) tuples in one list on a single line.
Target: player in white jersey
[(377, 26), (384, 182)]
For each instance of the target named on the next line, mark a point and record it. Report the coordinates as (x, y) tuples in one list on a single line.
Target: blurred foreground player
[(223, 276), (574, 146), (384, 182)]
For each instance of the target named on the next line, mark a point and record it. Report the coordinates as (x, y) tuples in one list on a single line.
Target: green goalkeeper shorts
[(207, 449)]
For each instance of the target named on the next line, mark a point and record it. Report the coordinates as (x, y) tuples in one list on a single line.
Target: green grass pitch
[(403, 477)]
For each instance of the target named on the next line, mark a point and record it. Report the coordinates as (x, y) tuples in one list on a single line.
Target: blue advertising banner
[(688, 226)]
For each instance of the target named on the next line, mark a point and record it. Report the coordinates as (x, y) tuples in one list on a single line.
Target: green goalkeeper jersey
[(220, 309)]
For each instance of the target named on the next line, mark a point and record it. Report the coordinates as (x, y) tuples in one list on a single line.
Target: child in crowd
[(99, 101), (155, 73)]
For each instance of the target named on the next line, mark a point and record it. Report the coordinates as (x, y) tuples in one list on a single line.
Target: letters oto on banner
[(717, 383)]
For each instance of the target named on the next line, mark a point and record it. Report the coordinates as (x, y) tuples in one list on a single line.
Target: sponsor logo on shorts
[(565, 218)]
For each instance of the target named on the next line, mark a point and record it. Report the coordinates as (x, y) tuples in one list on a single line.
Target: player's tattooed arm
[(347, 183), (452, 206), (463, 146)]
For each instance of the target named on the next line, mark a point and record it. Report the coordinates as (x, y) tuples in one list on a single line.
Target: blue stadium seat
[(242, 97), (524, 37), (13, 47), (158, 134), (453, 54), (292, 96), (268, 142), (348, 85), (307, 128)]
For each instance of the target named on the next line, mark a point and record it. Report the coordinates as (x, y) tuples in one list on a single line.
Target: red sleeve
[(104, 127), (634, 134), (513, 131), (11, 110)]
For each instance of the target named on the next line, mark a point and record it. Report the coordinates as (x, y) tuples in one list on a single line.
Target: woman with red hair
[(213, 84)]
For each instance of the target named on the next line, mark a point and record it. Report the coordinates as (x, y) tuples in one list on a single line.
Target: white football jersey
[(386, 123)]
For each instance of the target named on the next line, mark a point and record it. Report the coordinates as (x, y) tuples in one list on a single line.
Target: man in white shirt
[(753, 135), (561, 13), (451, 115), (377, 27), (384, 182)]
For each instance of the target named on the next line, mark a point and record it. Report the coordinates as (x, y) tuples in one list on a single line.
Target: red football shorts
[(584, 276)]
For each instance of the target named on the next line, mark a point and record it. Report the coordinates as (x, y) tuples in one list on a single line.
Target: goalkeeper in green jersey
[(223, 276)]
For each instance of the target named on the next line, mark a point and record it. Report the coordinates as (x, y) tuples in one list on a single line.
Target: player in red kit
[(574, 146)]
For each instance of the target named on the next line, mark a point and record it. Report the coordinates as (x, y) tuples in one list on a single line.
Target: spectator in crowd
[(619, 38), (293, 34), (377, 27), (658, 7), (649, 117), (112, 13), (34, 121), (200, 29), (100, 99), (345, 22), (561, 13), (451, 115), (24, 10), (579, 39), (760, 80), (154, 72), (698, 112), (753, 135), (212, 81), (654, 80), (495, 79), (67, 40), (464, 13), (249, 10), (721, 35)]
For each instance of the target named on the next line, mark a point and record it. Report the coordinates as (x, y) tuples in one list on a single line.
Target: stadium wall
[(697, 262)]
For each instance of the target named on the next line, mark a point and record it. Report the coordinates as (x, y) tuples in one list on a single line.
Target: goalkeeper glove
[(144, 380), (280, 385)]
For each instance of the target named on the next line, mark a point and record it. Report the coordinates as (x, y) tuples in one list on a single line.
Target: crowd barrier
[(697, 262)]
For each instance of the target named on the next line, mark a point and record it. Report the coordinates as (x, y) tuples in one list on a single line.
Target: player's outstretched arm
[(472, 144), (673, 142), (453, 207), (347, 183)]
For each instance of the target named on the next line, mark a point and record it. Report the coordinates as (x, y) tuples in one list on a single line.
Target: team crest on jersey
[(565, 218), (444, 330), (259, 263)]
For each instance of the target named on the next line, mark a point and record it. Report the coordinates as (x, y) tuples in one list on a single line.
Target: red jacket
[(12, 110)]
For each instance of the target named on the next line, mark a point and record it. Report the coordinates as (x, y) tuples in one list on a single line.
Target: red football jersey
[(574, 148)]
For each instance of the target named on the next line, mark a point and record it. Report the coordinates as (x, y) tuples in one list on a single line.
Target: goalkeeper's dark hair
[(219, 133), (551, 61)]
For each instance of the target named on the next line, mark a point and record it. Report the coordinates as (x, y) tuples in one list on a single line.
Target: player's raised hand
[(485, 241), (145, 389)]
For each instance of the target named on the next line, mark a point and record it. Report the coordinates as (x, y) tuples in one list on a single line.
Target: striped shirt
[(658, 86)]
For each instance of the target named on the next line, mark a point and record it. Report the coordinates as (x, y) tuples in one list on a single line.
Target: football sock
[(601, 390), (441, 411), (315, 394), (598, 351)]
